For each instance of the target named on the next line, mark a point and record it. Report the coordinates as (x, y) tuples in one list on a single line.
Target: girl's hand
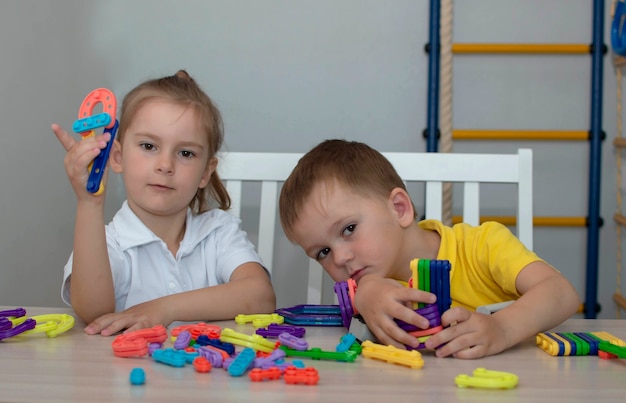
[(145, 315), (79, 155), (380, 300)]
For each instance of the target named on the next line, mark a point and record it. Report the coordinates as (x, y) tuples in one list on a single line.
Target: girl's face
[(164, 159), (351, 235)]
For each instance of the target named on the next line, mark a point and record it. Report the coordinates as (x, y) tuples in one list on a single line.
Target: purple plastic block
[(274, 330), (17, 312), (28, 324), (183, 340), (292, 341)]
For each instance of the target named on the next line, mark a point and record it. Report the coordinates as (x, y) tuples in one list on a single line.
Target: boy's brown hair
[(353, 164)]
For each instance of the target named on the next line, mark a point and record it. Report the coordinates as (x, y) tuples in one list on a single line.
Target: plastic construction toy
[(345, 303), (319, 354), (183, 340), (7, 330), (204, 340), (87, 123), (202, 365), (393, 355), (312, 315), (304, 376), (135, 344), (430, 312), (432, 276), (291, 341), (273, 331), (197, 329), (254, 341), (260, 375), (171, 357), (602, 344), (137, 376), (242, 362), (213, 355), (486, 379), (346, 342), (259, 320)]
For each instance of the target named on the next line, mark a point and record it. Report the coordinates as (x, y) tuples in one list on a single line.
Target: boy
[(346, 206)]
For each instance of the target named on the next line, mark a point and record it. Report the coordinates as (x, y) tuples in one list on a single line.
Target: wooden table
[(78, 367)]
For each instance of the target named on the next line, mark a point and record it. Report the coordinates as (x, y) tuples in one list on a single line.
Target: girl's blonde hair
[(182, 89)]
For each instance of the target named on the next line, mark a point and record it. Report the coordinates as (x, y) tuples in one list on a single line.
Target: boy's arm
[(249, 291), (548, 299)]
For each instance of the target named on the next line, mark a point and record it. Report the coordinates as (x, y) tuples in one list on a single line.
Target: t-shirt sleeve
[(505, 255), (233, 249)]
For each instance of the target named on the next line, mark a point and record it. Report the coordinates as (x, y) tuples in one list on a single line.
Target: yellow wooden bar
[(521, 48), (559, 135), (537, 221)]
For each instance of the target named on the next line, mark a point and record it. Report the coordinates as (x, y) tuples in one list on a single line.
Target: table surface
[(78, 367)]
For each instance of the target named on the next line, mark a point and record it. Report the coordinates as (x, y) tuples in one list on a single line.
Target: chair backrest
[(433, 169)]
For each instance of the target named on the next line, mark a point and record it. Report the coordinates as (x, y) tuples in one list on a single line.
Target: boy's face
[(352, 234)]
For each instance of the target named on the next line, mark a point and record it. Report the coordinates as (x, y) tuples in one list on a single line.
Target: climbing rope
[(445, 99), (619, 47)]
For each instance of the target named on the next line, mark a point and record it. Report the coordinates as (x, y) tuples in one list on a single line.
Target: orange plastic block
[(306, 376), (196, 329), (135, 344), (201, 364), (259, 375)]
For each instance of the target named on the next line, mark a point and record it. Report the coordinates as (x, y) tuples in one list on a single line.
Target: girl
[(166, 255)]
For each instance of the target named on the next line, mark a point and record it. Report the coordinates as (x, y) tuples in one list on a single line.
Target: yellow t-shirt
[(485, 261)]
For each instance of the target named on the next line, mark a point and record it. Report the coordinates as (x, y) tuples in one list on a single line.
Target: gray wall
[(287, 74)]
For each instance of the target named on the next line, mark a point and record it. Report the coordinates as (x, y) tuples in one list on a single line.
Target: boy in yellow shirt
[(346, 206)]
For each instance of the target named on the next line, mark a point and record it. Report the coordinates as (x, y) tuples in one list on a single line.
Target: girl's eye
[(147, 146), (349, 229), (322, 254), (186, 154)]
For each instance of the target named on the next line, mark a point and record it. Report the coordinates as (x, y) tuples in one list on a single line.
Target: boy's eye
[(322, 254), (349, 229), (147, 146), (186, 154)]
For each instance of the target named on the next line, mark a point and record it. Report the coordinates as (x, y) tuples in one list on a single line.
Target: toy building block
[(486, 379), (274, 330), (319, 354), (253, 341), (202, 365), (305, 376), (259, 320), (171, 357), (291, 341), (242, 362), (137, 376), (393, 355), (259, 375)]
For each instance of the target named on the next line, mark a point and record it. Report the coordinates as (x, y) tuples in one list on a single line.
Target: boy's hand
[(468, 335), (380, 300), (79, 155), (145, 315)]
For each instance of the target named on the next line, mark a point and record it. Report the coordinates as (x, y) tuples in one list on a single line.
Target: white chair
[(433, 169)]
